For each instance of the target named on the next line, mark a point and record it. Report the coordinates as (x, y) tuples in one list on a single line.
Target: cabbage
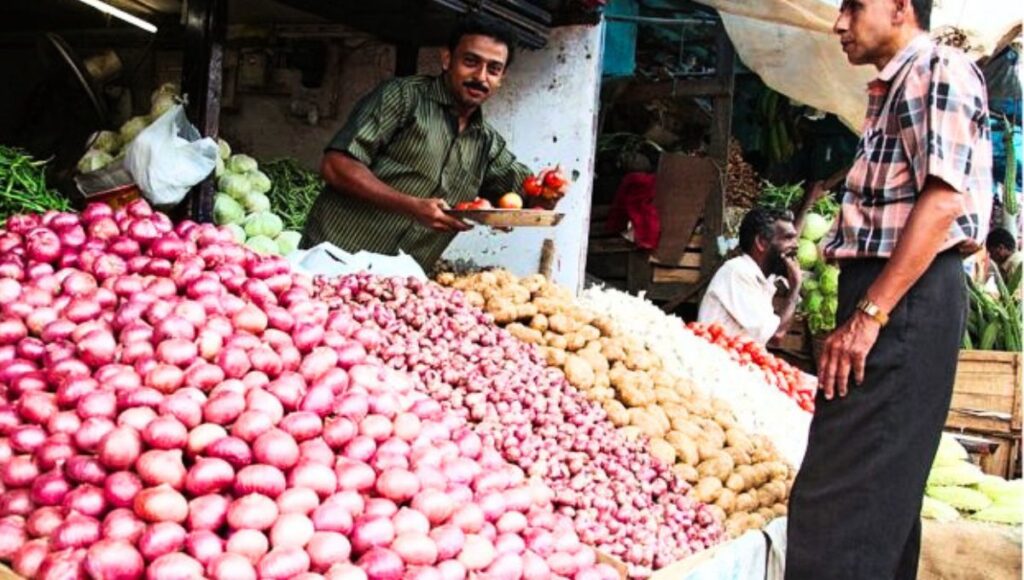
[(233, 184), (962, 498), (288, 242), (262, 245), (812, 303), (950, 451), (962, 473), (256, 202), (938, 510), (236, 231), (226, 210), (263, 223), (806, 254), (259, 182), (815, 227), (809, 285), (107, 141), (830, 306), (93, 160), (224, 149), (162, 104), (242, 163), (1001, 514), (132, 127), (218, 167), (164, 90), (829, 281), (1002, 492)]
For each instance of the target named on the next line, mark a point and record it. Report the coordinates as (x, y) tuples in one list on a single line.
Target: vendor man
[(917, 198), (740, 296), (1003, 249), (415, 146)]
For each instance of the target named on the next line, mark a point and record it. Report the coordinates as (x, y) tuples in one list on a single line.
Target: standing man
[(739, 297), (918, 194), (414, 147)]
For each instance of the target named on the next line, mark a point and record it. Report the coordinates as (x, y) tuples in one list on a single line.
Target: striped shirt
[(407, 134), (927, 117)]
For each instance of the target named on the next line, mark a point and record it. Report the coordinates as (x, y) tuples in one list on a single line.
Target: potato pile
[(740, 476)]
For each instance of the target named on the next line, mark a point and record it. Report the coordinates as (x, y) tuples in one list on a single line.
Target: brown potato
[(539, 323), (686, 472), (736, 483), (708, 489), (662, 451), (746, 502), (726, 500), (738, 457), (685, 448)]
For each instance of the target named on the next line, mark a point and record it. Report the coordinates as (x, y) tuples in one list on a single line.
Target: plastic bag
[(169, 157), (329, 260)]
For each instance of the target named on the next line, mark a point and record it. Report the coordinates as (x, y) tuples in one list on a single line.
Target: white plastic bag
[(329, 260), (168, 157)]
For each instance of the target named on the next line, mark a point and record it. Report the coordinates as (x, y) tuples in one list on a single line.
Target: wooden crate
[(994, 454), (686, 270), (987, 393)]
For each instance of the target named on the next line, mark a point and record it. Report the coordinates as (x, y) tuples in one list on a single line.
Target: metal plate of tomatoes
[(509, 218)]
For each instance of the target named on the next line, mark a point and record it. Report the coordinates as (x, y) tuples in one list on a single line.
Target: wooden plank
[(691, 259), (987, 381), (616, 245), (648, 91), (718, 148), (8, 574), (675, 275), (684, 186)]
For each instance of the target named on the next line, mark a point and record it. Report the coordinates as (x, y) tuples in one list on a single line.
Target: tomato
[(532, 186)]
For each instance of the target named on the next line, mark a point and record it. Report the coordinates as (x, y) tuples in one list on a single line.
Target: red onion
[(333, 516), (207, 512), (174, 565), (209, 475), (253, 511), (291, 530), (165, 432), (230, 566), (203, 435), (370, 532), (252, 544), (43, 521), (20, 471), (120, 448), (161, 538), (121, 488), (415, 549), (86, 499), (161, 504), (382, 564), (122, 524), (158, 466), (29, 558), (204, 545), (284, 562), (300, 500), (113, 559), (449, 540), (318, 477), (76, 531), (262, 479), (276, 448), (231, 449)]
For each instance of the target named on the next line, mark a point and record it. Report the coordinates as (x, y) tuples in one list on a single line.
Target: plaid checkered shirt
[(927, 116)]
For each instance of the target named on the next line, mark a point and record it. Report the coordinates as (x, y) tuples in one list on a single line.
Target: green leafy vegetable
[(806, 254), (23, 185), (224, 149), (294, 191)]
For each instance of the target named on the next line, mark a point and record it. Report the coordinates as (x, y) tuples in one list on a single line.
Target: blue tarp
[(620, 39)]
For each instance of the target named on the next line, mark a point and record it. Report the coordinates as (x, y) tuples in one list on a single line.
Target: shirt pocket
[(887, 173)]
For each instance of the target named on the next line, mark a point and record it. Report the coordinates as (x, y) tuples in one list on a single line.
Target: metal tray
[(509, 218)]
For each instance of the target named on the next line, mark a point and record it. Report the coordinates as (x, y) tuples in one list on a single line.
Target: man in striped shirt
[(416, 146), (916, 198)]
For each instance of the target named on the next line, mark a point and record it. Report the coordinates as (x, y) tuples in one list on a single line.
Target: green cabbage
[(809, 285), (288, 242), (263, 223), (262, 245), (829, 281), (166, 89), (259, 182), (162, 104), (1001, 514), (132, 127), (256, 202), (950, 451), (108, 141), (938, 510), (962, 473), (962, 498), (226, 210), (235, 185), (218, 167), (806, 254), (815, 227), (223, 148), (1001, 491), (830, 306), (236, 231), (241, 163), (813, 301), (93, 160)]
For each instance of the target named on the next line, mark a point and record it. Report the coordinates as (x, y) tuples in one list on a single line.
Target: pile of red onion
[(622, 501), (174, 406)]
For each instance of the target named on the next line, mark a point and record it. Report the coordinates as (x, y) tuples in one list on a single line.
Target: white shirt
[(739, 298)]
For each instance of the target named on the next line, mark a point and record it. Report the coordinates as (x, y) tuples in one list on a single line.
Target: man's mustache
[(476, 86)]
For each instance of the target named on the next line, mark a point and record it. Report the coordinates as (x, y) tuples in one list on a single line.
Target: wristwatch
[(871, 309)]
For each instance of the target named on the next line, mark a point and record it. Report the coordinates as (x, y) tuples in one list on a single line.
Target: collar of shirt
[(442, 94), (888, 73), (750, 265)]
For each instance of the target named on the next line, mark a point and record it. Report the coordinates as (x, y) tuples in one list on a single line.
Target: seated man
[(1003, 249), (740, 295)]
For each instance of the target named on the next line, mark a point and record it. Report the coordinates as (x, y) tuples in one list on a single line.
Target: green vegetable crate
[(987, 402)]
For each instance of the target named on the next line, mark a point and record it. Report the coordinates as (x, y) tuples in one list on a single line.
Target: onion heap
[(623, 501), (173, 405)]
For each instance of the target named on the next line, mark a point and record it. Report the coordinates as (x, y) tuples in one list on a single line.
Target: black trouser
[(855, 507)]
